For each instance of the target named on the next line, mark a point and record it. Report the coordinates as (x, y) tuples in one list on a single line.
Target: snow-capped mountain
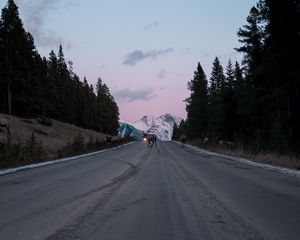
[(161, 126)]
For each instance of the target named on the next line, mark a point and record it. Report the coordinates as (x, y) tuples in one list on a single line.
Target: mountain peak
[(161, 126)]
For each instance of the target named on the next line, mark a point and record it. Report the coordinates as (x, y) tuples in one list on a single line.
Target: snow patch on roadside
[(283, 170), (36, 165)]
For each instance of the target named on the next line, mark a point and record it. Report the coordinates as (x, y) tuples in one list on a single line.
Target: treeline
[(34, 86), (257, 104)]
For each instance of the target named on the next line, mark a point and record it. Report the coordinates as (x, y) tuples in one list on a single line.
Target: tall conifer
[(197, 104), (216, 100)]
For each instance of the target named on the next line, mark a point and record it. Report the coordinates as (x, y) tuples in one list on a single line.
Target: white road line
[(283, 170), (36, 165)]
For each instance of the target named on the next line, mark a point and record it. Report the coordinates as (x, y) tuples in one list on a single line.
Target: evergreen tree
[(269, 100), (255, 105), (179, 130), (282, 48), (31, 85), (230, 103), (16, 62), (52, 84), (240, 103), (238, 79), (78, 99), (78, 144), (175, 134), (33, 149), (197, 104), (63, 86), (108, 111), (85, 103), (216, 100), (251, 35)]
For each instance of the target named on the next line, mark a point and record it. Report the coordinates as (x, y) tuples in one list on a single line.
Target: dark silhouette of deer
[(183, 140), (151, 139)]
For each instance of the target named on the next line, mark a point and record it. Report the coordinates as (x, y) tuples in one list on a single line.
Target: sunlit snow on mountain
[(161, 126)]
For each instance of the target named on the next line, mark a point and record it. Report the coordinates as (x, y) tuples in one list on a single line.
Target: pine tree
[(241, 116), (255, 105), (269, 102), (53, 75), (63, 86), (85, 103), (282, 47), (33, 149), (251, 36), (108, 111), (216, 101), (179, 130), (31, 85), (78, 144), (16, 62), (197, 105), (175, 135), (230, 103), (238, 79)]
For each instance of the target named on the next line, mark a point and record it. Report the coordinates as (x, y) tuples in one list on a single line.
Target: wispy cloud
[(135, 95), (162, 73), (136, 56), (186, 51), (52, 39), (34, 17), (204, 53), (151, 25), (103, 66)]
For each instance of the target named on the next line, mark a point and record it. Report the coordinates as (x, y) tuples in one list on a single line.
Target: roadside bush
[(33, 150), (14, 154), (78, 145)]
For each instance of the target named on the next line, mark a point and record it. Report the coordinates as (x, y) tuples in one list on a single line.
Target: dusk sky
[(145, 51)]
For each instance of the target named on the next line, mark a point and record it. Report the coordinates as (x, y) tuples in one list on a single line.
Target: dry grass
[(287, 161), (274, 159), (53, 138)]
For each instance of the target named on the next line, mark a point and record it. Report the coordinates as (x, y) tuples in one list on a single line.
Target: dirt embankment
[(53, 138)]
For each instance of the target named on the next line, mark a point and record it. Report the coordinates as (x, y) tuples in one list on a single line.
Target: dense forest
[(256, 103), (31, 85)]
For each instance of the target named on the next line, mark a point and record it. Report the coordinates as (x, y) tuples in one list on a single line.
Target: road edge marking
[(287, 171), (42, 164)]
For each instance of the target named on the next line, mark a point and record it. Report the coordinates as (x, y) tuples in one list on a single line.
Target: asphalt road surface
[(138, 193)]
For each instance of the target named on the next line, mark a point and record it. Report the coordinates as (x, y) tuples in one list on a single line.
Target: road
[(134, 193)]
